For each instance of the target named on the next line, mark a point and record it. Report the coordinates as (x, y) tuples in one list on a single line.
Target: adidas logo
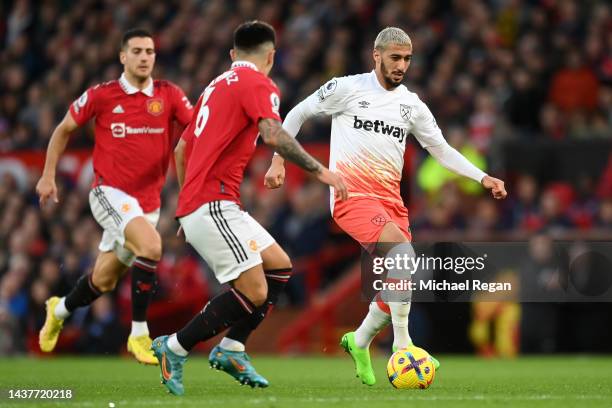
[(118, 109), (363, 104)]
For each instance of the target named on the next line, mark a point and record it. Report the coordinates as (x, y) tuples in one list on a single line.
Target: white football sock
[(60, 309), (399, 319), (231, 344), (399, 301), (175, 346), (372, 324), (139, 329)]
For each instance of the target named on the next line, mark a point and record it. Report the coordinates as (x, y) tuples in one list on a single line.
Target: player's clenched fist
[(275, 176), (46, 188), (334, 180), (496, 186)]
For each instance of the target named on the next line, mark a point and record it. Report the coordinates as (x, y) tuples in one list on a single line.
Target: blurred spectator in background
[(101, 329), (11, 337), (432, 176), (604, 215), (523, 205), (524, 102), (574, 88), (540, 281)]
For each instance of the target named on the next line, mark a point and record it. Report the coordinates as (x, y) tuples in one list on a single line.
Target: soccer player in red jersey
[(232, 110), (134, 116)]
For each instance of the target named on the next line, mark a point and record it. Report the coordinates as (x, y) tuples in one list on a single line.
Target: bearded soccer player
[(133, 144), (232, 110), (372, 116)]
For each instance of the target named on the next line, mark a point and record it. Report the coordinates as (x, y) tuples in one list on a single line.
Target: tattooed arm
[(274, 135)]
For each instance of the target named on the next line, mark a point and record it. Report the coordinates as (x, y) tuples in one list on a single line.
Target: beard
[(387, 77)]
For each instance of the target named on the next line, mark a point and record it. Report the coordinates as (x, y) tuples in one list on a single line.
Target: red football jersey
[(221, 139), (133, 134)]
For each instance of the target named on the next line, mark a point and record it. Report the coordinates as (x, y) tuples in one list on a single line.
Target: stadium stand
[(500, 77)]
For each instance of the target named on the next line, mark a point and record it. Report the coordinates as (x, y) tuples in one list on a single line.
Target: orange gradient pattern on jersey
[(371, 176)]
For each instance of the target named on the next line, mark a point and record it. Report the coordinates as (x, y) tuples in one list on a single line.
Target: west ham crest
[(405, 111)]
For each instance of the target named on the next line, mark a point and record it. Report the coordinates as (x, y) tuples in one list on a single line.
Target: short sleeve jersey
[(222, 136), (370, 127), (133, 134)]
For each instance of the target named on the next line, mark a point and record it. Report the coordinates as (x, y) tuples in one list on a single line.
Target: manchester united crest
[(155, 107)]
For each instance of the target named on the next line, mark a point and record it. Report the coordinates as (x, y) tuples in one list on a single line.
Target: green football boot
[(361, 357)]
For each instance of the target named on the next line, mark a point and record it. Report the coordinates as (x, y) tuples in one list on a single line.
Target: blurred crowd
[(499, 68), (492, 72)]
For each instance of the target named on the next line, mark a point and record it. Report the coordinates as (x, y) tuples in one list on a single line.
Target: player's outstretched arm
[(327, 100), (46, 188), (274, 135), (275, 176), (450, 158)]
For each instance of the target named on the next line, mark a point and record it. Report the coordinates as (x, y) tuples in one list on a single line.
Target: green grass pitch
[(567, 381)]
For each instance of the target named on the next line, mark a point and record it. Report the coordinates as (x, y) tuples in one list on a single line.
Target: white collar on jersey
[(243, 63), (131, 89)]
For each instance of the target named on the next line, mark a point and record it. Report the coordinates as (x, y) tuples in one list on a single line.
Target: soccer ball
[(411, 367)]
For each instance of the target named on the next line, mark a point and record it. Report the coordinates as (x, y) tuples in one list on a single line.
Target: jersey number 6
[(204, 112)]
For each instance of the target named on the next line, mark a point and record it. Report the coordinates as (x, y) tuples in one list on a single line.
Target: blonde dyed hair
[(392, 35)]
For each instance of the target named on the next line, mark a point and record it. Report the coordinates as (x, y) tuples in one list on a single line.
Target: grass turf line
[(307, 382)]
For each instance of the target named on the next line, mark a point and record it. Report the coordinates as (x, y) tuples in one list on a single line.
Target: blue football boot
[(170, 364), (238, 365)]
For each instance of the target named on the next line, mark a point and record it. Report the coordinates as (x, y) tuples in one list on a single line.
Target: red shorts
[(364, 218)]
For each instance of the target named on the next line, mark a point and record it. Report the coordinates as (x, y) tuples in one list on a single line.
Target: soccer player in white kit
[(372, 116)]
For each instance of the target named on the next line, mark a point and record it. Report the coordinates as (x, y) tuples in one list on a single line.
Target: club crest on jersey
[(379, 220), (405, 111), (155, 107)]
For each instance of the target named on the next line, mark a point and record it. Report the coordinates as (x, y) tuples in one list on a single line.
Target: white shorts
[(113, 209), (229, 239)]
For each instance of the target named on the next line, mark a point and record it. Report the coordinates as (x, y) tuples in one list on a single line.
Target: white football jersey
[(370, 128)]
